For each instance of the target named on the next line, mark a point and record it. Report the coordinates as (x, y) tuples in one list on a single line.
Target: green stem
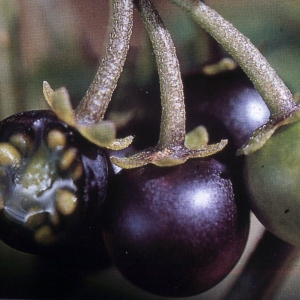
[(172, 131), (92, 107), (277, 96), (171, 149)]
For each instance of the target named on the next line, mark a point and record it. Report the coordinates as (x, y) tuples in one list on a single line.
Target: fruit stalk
[(92, 107), (173, 110), (275, 93), (171, 149)]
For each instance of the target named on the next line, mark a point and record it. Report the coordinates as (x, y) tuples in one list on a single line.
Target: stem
[(171, 149), (92, 107), (277, 96), (172, 131)]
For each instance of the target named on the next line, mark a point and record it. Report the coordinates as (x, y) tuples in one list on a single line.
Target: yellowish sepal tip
[(261, 135), (167, 157), (196, 138), (102, 134)]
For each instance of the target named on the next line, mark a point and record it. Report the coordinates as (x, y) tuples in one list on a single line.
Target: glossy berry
[(175, 231), (226, 103), (53, 181)]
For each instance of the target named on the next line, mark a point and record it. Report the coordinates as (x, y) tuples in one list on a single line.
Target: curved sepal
[(166, 157), (196, 138), (225, 64), (262, 134), (102, 134), (60, 103)]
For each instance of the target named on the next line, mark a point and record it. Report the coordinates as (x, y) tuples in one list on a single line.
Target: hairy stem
[(277, 96), (92, 107), (172, 131), (171, 149)]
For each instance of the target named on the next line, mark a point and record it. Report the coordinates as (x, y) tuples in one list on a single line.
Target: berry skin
[(224, 102), (175, 231), (272, 179), (53, 182)]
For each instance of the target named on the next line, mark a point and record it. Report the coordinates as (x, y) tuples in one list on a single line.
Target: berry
[(53, 181), (175, 231)]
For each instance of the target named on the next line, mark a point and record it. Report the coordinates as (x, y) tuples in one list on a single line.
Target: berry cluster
[(174, 217)]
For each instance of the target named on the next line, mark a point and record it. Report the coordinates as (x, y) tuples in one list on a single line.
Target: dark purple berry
[(226, 103), (175, 231), (52, 181)]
